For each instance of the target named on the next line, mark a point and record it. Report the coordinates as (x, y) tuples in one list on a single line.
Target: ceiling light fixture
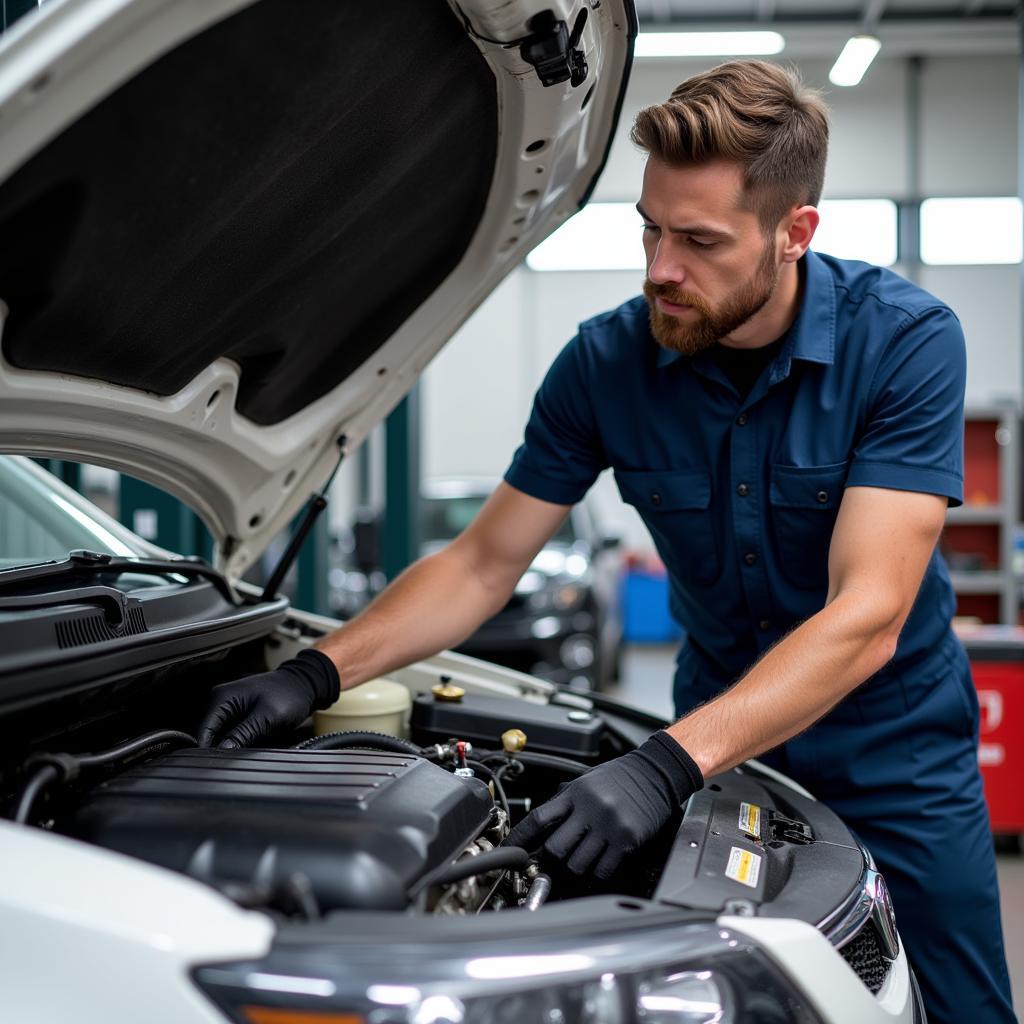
[(856, 58), (708, 44)]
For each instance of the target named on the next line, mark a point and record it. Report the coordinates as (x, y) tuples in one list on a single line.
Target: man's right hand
[(246, 711)]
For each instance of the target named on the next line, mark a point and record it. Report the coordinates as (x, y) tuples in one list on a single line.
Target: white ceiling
[(817, 28), (819, 10)]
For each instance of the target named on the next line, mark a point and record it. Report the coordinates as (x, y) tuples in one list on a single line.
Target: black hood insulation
[(284, 190)]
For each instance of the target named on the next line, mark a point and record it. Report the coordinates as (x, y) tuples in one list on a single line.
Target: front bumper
[(827, 981)]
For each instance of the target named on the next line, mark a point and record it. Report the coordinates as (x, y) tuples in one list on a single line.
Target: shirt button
[(655, 498), (743, 490), (822, 497), (741, 420), (763, 624), (750, 558)]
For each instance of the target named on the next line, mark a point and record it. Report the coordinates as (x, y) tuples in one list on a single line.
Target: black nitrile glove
[(246, 711), (614, 809)]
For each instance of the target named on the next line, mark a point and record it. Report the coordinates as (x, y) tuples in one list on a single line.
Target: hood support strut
[(316, 504)]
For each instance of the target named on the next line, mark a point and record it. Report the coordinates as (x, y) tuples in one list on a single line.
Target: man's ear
[(796, 231)]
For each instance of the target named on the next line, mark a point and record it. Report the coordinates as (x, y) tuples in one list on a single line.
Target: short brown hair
[(755, 113)]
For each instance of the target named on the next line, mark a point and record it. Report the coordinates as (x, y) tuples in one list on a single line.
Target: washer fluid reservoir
[(379, 705)]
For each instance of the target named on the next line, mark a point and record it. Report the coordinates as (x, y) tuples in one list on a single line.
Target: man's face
[(709, 266)]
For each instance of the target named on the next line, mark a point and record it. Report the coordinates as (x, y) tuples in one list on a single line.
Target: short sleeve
[(913, 438), (561, 455)]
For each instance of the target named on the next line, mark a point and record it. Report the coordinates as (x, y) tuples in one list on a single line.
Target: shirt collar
[(812, 336)]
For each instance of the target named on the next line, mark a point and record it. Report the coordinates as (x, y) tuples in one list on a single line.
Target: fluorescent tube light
[(708, 44), (856, 58)]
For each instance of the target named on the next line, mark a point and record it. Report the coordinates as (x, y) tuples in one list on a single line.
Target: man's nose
[(665, 268)]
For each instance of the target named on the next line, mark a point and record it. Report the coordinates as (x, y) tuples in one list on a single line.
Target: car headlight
[(530, 583), (577, 651), (685, 997), (686, 974), (557, 597)]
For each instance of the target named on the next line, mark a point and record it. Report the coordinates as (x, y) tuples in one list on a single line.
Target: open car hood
[(233, 234)]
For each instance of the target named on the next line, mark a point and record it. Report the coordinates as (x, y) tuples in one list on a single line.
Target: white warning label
[(744, 867), (750, 820)]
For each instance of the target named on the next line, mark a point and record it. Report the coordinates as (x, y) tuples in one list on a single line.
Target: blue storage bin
[(646, 619)]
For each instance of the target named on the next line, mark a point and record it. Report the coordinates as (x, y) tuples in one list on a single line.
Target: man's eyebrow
[(700, 230)]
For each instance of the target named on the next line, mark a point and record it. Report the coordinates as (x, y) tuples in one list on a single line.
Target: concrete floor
[(647, 682)]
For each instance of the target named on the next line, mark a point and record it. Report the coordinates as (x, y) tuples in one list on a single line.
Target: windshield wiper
[(96, 563)]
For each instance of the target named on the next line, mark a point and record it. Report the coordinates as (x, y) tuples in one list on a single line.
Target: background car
[(564, 620)]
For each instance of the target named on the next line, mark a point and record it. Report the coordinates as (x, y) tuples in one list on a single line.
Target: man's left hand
[(614, 809)]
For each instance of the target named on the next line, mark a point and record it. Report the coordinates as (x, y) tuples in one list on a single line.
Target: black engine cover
[(361, 826)]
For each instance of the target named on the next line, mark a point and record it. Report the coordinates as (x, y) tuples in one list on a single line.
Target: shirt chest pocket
[(675, 505), (804, 505)]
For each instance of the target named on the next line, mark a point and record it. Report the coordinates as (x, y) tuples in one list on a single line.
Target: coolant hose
[(513, 858), (356, 738), (162, 737), (40, 780), (529, 757), (60, 767)]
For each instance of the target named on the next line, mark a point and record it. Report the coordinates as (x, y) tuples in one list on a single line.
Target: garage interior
[(937, 115), (925, 175)]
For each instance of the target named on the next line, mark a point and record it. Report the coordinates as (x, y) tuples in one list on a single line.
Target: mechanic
[(789, 426)]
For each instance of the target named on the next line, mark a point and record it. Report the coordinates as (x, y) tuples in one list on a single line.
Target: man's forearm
[(791, 687), (435, 604)]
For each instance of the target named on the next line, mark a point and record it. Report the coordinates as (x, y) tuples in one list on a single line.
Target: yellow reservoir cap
[(380, 705), (513, 740), (448, 692)]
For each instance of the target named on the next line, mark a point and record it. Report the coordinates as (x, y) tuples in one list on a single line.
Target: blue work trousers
[(898, 761)]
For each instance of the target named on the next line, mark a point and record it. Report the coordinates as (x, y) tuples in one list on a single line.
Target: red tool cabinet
[(997, 664)]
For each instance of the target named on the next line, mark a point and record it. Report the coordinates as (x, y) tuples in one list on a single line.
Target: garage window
[(972, 230), (858, 229), (606, 236)]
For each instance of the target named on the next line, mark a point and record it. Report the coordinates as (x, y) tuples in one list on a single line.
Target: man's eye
[(700, 245), (650, 227)]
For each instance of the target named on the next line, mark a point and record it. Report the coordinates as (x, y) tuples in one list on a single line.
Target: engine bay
[(353, 820), (367, 821)]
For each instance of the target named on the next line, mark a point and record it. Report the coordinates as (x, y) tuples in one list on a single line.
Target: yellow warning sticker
[(744, 867), (750, 820)]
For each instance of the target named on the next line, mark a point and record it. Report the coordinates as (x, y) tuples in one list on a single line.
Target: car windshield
[(41, 522), (445, 518)]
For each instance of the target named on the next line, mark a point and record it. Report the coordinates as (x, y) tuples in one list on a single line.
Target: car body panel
[(534, 637), (247, 480), (811, 962), (93, 936)]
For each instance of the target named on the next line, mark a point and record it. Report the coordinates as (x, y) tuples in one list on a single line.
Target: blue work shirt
[(740, 495)]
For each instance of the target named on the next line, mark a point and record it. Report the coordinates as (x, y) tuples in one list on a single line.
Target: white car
[(233, 234)]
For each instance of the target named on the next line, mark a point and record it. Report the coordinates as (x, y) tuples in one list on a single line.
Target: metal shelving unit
[(981, 582), (980, 515), (1005, 514)]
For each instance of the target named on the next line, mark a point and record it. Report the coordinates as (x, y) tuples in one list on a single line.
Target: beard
[(713, 324)]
